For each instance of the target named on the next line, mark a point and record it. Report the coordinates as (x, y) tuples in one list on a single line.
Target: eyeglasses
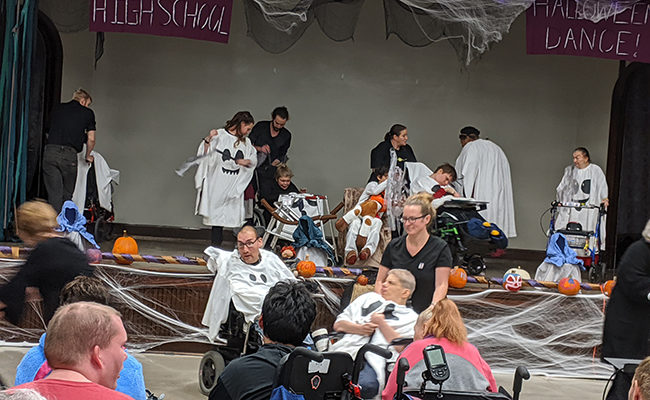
[(411, 219), (248, 245)]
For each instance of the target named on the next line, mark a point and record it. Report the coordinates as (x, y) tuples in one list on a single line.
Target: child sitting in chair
[(364, 220), (282, 184)]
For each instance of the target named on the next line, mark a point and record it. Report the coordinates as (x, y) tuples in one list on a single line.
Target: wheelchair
[(240, 339), (324, 376)]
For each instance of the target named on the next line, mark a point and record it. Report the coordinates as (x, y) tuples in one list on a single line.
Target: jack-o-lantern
[(125, 245), (568, 286), (306, 268), (362, 280), (458, 278), (608, 287), (512, 282)]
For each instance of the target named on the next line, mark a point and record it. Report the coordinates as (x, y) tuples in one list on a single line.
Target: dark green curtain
[(19, 31)]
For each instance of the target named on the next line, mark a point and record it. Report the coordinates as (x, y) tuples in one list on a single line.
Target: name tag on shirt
[(421, 265)]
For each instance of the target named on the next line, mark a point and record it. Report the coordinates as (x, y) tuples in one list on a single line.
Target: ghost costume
[(484, 174), (400, 318), (365, 226), (220, 182), (104, 175), (245, 284), (587, 185)]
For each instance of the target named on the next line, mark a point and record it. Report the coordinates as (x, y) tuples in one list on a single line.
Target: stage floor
[(176, 375)]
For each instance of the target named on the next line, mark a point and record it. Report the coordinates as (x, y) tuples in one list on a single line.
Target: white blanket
[(104, 175)]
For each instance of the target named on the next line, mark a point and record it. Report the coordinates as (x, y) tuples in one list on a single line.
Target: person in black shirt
[(282, 184), (426, 256), (72, 125), (287, 314), (272, 141), (394, 140), (53, 262)]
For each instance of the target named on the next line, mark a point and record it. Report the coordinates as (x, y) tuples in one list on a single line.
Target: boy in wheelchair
[(377, 319), (287, 314)]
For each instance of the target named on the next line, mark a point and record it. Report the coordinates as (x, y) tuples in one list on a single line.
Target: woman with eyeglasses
[(426, 256)]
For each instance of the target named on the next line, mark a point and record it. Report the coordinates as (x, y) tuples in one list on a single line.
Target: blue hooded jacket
[(71, 220), (559, 253)]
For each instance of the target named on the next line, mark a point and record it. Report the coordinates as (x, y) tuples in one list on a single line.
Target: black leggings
[(216, 236)]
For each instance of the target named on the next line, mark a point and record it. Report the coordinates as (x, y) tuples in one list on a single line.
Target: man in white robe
[(584, 183), (244, 276), (484, 174), (378, 319)]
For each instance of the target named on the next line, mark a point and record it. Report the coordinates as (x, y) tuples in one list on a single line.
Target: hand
[(90, 158), (213, 133), (265, 149), (243, 162), (275, 162), (303, 190), (377, 318), (605, 202), (452, 191), (366, 329)]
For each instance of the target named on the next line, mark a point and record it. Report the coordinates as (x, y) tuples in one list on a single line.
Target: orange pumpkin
[(125, 245), (362, 280), (457, 278), (306, 268), (568, 286), (608, 287)]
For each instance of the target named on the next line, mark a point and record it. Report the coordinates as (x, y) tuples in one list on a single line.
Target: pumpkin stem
[(307, 257), (124, 233)]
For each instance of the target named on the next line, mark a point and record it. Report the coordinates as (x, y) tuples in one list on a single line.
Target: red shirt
[(70, 390)]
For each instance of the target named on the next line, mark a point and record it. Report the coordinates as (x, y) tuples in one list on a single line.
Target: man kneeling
[(377, 319)]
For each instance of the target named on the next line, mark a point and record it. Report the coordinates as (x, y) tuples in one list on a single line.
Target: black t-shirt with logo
[(435, 253)]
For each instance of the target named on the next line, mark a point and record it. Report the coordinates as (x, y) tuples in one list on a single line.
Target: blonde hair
[(81, 94), (405, 278), (443, 320), (646, 234), (75, 329), (642, 377), (283, 171), (36, 218), (423, 200)]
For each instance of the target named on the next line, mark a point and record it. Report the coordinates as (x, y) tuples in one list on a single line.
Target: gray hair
[(20, 394)]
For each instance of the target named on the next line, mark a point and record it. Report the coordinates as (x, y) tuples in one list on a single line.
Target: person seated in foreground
[(363, 222), (85, 349), (438, 183), (378, 319), (442, 324), (640, 389), (34, 365), (244, 276), (287, 314)]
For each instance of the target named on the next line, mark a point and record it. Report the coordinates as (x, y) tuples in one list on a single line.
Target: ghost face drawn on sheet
[(229, 159)]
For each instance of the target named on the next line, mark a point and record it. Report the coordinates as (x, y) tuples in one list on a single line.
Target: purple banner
[(194, 19), (563, 27)]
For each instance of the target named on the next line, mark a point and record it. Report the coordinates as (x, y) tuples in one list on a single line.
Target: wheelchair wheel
[(212, 365), (103, 230), (258, 218)]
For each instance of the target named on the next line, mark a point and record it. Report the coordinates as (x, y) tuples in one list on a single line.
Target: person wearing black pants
[(73, 124)]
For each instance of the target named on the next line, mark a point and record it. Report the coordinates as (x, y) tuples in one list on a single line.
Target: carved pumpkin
[(362, 280), (608, 287), (457, 278), (512, 282), (125, 245), (568, 286), (94, 256), (306, 268)]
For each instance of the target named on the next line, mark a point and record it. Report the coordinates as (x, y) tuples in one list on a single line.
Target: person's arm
[(345, 326), (381, 275), (442, 284), (283, 150), (90, 145), (389, 333)]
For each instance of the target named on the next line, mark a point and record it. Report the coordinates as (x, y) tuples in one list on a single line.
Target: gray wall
[(156, 97)]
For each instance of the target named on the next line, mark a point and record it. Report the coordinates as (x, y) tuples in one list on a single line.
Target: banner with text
[(563, 27), (194, 19)]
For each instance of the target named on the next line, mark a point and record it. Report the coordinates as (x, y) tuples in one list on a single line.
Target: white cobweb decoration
[(471, 25), (547, 332)]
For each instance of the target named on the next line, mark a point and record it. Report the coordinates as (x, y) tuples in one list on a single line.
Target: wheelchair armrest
[(275, 215), (401, 341), (336, 209), (360, 358), (305, 352), (521, 373)]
